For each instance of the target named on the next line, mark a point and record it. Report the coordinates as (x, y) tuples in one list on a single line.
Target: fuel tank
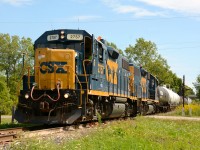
[(166, 95)]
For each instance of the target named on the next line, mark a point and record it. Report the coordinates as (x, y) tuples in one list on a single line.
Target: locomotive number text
[(53, 37), (75, 37)]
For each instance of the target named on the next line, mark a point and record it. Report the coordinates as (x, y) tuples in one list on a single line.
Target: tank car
[(188, 100), (167, 98)]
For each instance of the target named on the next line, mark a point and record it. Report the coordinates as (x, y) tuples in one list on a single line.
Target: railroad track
[(8, 135)]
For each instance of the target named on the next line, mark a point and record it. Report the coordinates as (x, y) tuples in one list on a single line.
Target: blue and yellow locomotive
[(78, 77)]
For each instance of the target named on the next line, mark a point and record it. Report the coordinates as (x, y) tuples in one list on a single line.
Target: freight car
[(78, 77), (168, 99)]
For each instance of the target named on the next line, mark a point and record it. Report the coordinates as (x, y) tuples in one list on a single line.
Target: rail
[(8, 135)]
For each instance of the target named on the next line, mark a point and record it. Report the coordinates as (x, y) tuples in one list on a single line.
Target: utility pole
[(23, 60), (183, 91)]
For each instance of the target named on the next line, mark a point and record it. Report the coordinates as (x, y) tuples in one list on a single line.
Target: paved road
[(175, 118), (6, 116)]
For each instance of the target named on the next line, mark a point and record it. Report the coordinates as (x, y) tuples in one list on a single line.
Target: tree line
[(197, 86), (13, 50), (17, 53), (145, 53)]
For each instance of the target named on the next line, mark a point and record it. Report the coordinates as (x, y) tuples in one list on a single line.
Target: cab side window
[(100, 53)]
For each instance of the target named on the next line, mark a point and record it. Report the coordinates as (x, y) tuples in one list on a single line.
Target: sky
[(173, 25)]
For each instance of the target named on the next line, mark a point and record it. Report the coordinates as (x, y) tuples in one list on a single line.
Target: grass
[(5, 120), (139, 134), (6, 123)]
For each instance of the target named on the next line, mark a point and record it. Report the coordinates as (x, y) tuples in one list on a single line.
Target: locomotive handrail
[(55, 68), (23, 70), (79, 84), (86, 60), (38, 67), (29, 77), (22, 73), (36, 99), (38, 75), (55, 79)]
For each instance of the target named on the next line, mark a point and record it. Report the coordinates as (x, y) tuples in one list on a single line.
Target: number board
[(53, 37), (77, 37)]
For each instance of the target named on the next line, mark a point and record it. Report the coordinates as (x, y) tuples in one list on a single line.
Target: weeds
[(99, 118), (190, 110)]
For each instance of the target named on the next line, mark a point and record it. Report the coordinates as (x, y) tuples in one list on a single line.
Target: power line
[(180, 42), (102, 21), (161, 49)]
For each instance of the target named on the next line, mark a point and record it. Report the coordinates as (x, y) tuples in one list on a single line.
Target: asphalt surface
[(6, 116), (175, 118)]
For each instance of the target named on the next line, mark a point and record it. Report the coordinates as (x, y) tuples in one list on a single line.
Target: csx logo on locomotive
[(49, 67)]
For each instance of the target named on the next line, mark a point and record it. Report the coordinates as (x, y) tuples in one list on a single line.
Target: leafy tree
[(144, 53), (12, 51), (5, 101), (188, 91), (115, 47)]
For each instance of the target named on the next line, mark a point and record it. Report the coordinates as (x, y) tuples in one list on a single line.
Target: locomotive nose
[(56, 65)]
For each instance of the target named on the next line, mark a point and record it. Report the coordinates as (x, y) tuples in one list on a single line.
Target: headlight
[(66, 95), (62, 36), (26, 96), (62, 32)]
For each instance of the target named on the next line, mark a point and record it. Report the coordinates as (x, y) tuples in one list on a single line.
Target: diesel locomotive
[(78, 77)]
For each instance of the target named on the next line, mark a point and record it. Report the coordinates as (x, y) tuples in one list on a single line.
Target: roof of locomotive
[(45, 37)]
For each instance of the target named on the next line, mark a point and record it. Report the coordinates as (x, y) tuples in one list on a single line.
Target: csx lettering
[(49, 67)]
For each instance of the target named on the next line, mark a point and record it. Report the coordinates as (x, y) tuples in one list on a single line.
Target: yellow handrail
[(55, 68), (29, 78), (38, 67), (86, 60), (79, 84)]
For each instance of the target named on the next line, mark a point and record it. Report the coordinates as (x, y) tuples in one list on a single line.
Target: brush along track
[(69, 132), (16, 135), (55, 130)]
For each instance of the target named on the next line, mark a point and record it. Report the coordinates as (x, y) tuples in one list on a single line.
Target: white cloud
[(191, 7), (117, 6), (17, 2)]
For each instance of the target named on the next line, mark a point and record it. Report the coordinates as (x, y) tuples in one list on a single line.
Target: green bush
[(190, 110), (5, 99)]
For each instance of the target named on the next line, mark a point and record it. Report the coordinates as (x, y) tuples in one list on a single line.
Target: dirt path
[(6, 116), (175, 118)]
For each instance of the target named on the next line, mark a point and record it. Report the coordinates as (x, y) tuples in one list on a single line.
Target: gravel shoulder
[(6, 116), (174, 118)]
